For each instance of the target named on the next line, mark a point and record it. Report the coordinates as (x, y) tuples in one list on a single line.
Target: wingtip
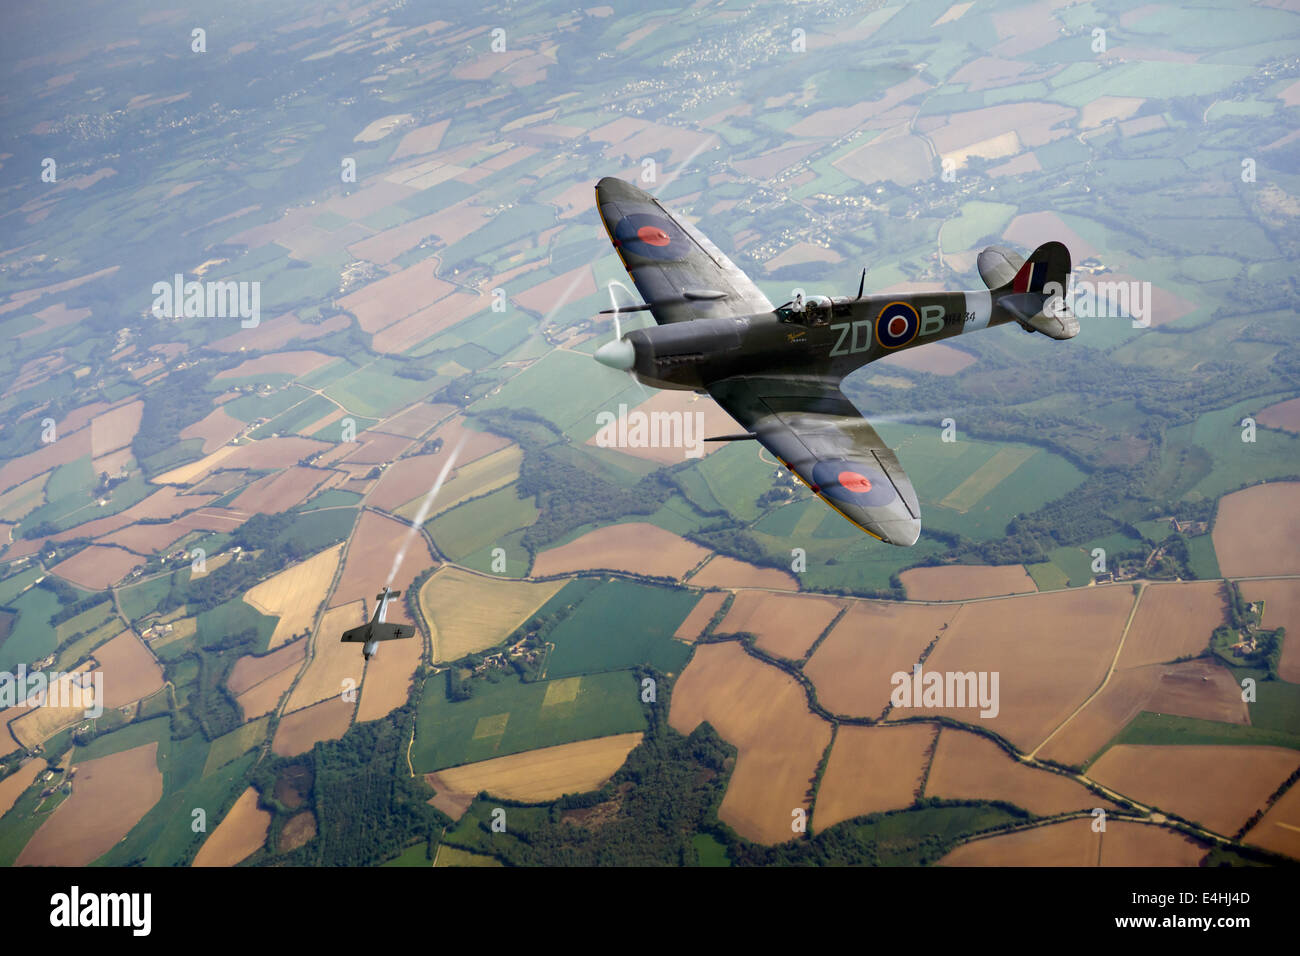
[(910, 536), (612, 188)]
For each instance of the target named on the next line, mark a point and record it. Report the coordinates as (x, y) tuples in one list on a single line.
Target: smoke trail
[(618, 328), (925, 416), (613, 299), (425, 505)]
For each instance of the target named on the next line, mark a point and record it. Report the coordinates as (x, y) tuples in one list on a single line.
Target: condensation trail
[(926, 416), (618, 328), (425, 505), (613, 301)]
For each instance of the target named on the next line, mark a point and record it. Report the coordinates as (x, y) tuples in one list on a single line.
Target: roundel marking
[(854, 481), (651, 237), (858, 483), (897, 324)]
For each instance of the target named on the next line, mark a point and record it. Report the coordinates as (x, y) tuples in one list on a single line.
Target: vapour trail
[(425, 505)]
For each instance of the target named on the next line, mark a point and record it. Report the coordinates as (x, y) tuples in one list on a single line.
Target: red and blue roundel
[(651, 236), (853, 482), (896, 325)]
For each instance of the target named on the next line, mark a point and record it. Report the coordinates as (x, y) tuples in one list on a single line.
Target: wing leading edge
[(678, 271), (817, 433)]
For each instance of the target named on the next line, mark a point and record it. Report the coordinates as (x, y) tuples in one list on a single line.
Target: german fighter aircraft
[(369, 635), (777, 371)]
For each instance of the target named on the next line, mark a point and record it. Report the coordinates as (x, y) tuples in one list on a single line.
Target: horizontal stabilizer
[(1051, 317), (998, 265)]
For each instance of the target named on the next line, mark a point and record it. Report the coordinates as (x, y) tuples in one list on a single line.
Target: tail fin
[(1035, 294), (1049, 263)]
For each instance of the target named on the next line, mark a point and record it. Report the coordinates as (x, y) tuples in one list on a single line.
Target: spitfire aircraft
[(369, 635), (777, 371)]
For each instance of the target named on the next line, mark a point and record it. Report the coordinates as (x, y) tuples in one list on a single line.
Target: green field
[(139, 599), (1048, 576), (417, 855), (234, 616), (621, 624), (839, 556), (987, 477), (510, 716), (735, 478), (1277, 703), (310, 409), (249, 408), (126, 738), (1065, 567), (31, 637), (483, 523), (332, 498), (333, 432), (164, 836), (85, 621), (236, 743), (921, 835), (972, 487), (1203, 561), (75, 505), (15, 583), (357, 392), (1208, 457), (1153, 729), (454, 856), (22, 821), (567, 390), (77, 651), (473, 832), (976, 221), (708, 851)]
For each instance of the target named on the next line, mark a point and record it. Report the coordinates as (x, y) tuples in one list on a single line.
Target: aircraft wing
[(356, 635), (680, 273), (377, 632), (816, 432)]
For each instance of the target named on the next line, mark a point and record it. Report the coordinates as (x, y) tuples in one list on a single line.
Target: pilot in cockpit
[(814, 310)]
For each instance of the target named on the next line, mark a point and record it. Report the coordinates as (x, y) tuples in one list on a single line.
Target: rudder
[(1049, 263)]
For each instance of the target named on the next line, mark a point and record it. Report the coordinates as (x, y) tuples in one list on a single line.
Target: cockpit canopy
[(806, 310)]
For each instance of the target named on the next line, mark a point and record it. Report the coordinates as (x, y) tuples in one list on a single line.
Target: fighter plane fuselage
[(829, 335)]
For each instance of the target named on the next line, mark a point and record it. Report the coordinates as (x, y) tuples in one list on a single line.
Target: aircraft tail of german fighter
[(1032, 290)]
